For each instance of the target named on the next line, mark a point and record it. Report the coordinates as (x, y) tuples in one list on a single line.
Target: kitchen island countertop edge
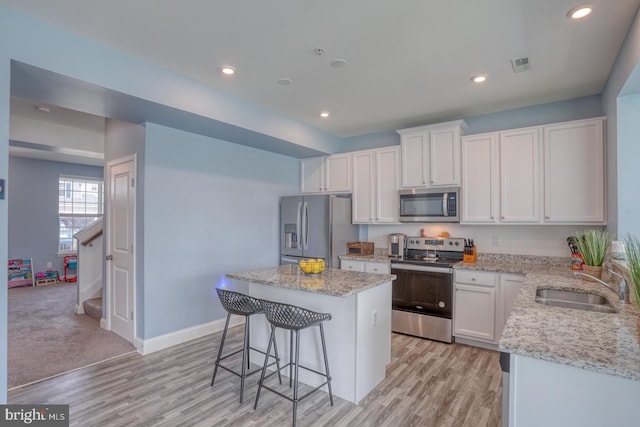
[(333, 282)]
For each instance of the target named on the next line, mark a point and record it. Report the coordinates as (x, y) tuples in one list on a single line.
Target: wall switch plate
[(49, 265)]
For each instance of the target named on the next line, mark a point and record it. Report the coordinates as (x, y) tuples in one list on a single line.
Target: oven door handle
[(422, 268)]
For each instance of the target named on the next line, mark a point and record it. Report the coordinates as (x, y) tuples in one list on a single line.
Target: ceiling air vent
[(520, 64)]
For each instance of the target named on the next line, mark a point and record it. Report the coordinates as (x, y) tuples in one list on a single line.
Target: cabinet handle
[(501, 217), (492, 217), (546, 217), (473, 279)]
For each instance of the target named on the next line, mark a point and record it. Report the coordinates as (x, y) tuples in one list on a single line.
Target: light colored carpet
[(47, 338)]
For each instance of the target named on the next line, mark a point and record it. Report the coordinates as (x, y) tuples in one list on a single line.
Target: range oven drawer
[(419, 325)]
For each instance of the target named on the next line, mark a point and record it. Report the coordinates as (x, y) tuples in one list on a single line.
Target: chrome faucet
[(623, 289)]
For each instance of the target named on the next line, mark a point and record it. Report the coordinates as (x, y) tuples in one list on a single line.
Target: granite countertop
[(368, 258), (602, 342), (339, 283)]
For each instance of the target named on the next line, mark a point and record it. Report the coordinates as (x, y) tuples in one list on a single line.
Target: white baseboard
[(103, 323), (79, 309), (154, 344)]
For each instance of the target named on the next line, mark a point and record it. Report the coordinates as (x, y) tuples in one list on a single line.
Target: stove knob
[(457, 243), (451, 243)]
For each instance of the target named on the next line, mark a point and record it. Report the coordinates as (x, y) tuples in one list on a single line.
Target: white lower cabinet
[(474, 314), (365, 266), (483, 302), (510, 285)]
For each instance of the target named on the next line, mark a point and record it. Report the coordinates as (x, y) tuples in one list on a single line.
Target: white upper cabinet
[(376, 180), (520, 176), (574, 180), (312, 175), (553, 174), (480, 187), (431, 154), (327, 174)]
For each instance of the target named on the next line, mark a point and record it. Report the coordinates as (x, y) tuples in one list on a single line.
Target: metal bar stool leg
[(245, 356), (224, 336), (275, 350), (290, 357), (264, 366), (295, 384), (326, 363)]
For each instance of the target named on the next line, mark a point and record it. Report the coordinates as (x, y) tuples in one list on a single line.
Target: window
[(80, 202)]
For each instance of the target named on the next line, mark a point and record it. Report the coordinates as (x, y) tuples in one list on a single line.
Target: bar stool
[(294, 319), (243, 305)]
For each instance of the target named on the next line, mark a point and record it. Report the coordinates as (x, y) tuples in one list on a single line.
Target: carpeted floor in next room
[(46, 337)]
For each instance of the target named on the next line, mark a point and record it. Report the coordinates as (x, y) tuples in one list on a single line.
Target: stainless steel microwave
[(430, 205)]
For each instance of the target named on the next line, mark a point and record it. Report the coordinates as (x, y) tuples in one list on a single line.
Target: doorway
[(120, 250)]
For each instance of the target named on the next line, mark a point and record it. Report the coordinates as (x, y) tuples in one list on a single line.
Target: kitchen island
[(358, 335)]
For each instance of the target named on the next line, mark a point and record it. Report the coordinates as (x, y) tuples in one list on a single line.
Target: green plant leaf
[(592, 244), (632, 251)]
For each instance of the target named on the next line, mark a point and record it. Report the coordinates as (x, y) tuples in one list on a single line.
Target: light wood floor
[(427, 384)]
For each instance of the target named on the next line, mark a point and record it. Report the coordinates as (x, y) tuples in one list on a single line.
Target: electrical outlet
[(49, 265), (494, 240)]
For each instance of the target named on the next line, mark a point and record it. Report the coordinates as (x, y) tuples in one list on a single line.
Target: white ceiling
[(409, 62)]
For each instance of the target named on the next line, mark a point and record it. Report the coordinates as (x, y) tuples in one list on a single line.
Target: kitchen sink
[(576, 300)]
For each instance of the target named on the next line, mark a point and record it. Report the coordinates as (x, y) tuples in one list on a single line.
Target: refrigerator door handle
[(305, 223), (298, 226)]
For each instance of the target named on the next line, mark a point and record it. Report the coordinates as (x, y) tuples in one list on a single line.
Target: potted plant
[(592, 245), (632, 246)]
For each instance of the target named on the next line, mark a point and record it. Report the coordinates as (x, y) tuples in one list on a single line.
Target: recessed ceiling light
[(479, 78), (579, 12), (324, 114), (339, 63), (285, 82), (228, 70)]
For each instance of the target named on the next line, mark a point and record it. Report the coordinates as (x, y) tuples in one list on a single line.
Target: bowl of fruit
[(311, 266)]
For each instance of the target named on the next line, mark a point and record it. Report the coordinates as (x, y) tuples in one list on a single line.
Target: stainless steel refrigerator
[(315, 227)]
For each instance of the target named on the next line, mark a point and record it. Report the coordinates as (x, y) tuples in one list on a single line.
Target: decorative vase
[(592, 271)]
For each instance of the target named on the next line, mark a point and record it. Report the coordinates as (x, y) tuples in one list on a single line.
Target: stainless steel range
[(423, 290)]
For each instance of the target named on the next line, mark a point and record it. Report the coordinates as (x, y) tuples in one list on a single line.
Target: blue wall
[(563, 111), (619, 100), (211, 207), (33, 211)]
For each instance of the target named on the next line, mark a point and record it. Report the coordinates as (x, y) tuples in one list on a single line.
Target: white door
[(479, 179), (120, 250), (415, 157), (574, 175), (519, 176), (444, 156), (363, 187), (387, 185)]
